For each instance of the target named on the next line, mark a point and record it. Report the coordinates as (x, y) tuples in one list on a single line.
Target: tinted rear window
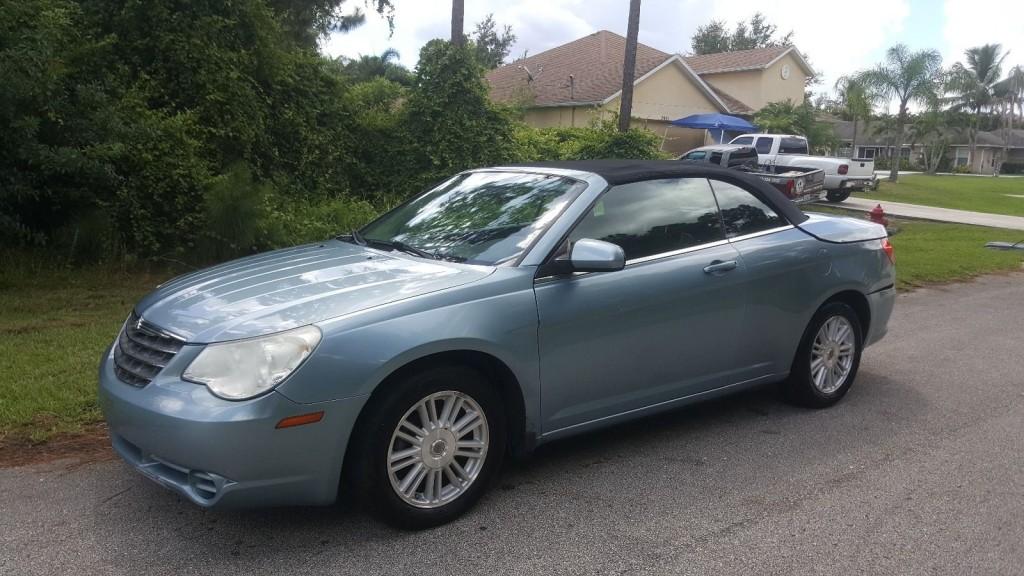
[(764, 145), (793, 146), (745, 156), (742, 212)]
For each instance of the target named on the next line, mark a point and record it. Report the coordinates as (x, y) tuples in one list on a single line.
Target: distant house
[(989, 148), (571, 84)]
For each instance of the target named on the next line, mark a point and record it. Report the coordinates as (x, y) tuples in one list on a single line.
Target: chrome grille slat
[(142, 351)]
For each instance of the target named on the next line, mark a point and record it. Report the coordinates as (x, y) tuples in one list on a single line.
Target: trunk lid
[(841, 229)]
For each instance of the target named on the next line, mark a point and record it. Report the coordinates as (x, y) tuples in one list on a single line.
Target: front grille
[(142, 351)]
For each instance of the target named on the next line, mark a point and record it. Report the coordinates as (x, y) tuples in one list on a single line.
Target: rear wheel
[(431, 447), (826, 362), (836, 196)]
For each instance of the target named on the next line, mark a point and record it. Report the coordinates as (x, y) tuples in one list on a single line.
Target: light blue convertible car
[(507, 307)]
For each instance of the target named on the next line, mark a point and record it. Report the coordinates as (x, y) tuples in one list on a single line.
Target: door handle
[(717, 266)]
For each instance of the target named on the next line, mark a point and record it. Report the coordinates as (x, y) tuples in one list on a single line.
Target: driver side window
[(654, 217)]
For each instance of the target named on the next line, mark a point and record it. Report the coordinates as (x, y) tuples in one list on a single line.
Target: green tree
[(308, 20), (788, 118), (904, 77), (386, 66), (451, 122), (757, 33), (972, 88), (492, 46), (854, 103)]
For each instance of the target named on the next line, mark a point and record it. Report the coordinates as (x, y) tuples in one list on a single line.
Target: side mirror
[(588, 255)]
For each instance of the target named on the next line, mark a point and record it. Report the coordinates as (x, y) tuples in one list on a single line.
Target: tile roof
[(755, 59), (594, 61), (735, 106)]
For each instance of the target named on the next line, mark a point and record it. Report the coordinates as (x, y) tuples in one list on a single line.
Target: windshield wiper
[(402, 247), (354, 236)]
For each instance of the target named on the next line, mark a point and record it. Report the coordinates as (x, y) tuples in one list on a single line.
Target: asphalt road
[(920, 470)]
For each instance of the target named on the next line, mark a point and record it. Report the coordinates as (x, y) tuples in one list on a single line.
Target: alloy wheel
[(438, 449), (832, 354)]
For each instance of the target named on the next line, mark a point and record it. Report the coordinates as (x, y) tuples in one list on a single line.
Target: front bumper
[(222, 453)]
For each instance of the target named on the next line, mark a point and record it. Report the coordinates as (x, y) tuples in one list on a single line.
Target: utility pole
[(458, 14), (629, 66)]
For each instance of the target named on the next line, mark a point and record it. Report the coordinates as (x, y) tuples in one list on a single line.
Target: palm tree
[(1009, 92), (629, 66), (855, 103), (972, 87), (458, 15), (905, 77), (366, 68)]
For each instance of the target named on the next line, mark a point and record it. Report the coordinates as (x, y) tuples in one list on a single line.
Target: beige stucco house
[(571, 84)]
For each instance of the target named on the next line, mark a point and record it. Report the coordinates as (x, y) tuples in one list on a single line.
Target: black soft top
[(627, 171)]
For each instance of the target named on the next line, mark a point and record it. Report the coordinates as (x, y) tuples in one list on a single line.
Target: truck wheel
[(836, 196)]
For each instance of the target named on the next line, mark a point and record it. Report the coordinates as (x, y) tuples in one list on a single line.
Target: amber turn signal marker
[(300, 420)]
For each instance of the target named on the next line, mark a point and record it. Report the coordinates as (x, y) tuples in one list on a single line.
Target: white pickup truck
[(842, 175)]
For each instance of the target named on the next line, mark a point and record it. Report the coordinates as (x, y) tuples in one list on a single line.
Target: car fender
[(497, 317)]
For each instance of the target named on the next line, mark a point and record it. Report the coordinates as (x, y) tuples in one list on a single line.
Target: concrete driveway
[(920, 470)]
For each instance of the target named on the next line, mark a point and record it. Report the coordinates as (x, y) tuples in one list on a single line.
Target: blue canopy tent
[(715, 122)]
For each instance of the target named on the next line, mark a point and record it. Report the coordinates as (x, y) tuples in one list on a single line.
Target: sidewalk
[(931, 213)]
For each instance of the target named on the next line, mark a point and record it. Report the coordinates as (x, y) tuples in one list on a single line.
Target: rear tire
[(418, 466), (827, 360), (836, 196)]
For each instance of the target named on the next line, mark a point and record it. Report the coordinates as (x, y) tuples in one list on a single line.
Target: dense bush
[(600, 140), (1012, 168), (199, 131), (883, 163)]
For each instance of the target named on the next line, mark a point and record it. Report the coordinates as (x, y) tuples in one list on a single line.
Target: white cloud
[(975, 22), (839, 36)]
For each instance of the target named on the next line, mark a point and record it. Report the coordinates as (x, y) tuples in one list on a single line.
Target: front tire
[(836, 196), (431, 446), (827, 360)]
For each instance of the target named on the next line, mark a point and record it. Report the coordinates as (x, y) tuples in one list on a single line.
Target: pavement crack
[(112, 496)]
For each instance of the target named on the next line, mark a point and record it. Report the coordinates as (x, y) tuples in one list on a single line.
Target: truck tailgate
[(841, 229), (861, 168)]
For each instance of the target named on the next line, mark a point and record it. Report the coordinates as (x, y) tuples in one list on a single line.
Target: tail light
[(844, 169), (790, 185), (888, 249)]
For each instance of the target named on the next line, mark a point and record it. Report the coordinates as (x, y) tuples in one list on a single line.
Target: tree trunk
[(458, 15), (629, 66), (894, 162), (853, 144), (973, 139)]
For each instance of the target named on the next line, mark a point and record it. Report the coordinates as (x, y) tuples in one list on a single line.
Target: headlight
[(246, 368)]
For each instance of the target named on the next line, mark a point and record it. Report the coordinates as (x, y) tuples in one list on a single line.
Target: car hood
[(293, 287)]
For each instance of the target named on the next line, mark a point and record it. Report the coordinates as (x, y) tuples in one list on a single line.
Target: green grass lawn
[(54, 325), (55, 322), (977, 193)]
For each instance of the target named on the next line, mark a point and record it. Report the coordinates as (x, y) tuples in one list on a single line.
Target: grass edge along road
[(56, 321), (975, 193)]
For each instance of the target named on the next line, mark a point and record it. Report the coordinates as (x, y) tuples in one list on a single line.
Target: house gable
[(670, 92)]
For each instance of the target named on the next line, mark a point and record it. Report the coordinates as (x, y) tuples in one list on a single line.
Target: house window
[(962, 156), (905, 153)]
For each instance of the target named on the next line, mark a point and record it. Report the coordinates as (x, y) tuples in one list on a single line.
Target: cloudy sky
[(839, 36)]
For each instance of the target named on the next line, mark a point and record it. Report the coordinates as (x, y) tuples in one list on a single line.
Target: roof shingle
[(755, 59), (594, 61)]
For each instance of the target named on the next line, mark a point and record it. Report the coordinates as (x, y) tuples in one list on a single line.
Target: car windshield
[(478, 218)]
